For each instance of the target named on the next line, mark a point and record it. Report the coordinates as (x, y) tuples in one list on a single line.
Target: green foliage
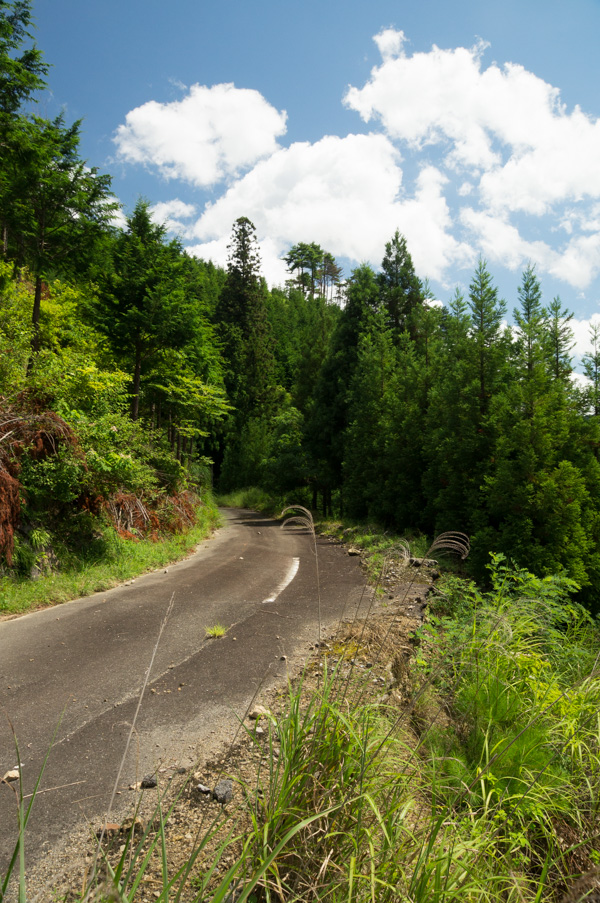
[(53, 482), (244, 326), (101, 560), (418, 417), (349, 805), (401, 292), (15, 330), (517, 668)]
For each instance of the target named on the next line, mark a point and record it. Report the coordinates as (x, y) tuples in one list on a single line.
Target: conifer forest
[(134, 376)]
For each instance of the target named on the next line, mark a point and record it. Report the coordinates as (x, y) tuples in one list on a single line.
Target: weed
[(483, 784), (216, 631)]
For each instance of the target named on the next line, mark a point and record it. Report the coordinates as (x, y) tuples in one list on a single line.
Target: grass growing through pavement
[(216, 631), (121, 559)]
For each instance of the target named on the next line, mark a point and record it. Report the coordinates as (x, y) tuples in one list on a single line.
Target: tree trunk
[(171, 432), (35, 319), (137, 373)]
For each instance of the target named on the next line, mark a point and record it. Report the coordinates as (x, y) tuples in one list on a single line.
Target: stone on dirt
[(149, 782), (223, 792)]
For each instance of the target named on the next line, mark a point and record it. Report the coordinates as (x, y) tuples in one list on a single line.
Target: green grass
[(121, 560), (481, 785), (216, 631), (252, 497)]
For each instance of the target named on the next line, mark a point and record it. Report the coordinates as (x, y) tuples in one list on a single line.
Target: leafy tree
[(15, 331)]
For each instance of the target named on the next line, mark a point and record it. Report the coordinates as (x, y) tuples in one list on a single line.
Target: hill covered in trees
[(133, 374)]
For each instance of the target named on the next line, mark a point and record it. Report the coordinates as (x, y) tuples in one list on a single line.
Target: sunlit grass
[(481, 784), (124, 559), (215, 631)]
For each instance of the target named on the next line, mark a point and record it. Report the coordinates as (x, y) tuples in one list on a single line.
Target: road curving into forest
[(77, 669)]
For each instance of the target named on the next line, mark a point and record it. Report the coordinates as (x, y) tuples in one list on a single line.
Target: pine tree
[(559, 340), (399, 285), (242, 318), (531, 341), (365, 465), (144, 307), (329, 415), (591, 368), (22, 74), (487, 313), (61, 208)]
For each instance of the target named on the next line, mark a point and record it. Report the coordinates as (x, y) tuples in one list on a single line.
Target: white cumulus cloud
[(344, 193), (503, 134), (171, 214), (208, 135), (463, 157)]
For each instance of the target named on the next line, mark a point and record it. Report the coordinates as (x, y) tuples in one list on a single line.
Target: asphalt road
[(75, 671)]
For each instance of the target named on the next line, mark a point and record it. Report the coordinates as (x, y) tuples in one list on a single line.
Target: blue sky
[(473, 127)]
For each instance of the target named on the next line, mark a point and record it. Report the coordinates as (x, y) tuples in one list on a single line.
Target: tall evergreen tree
[(366, 487), (60, 208), (145, 306), (242, 318), (531, 341), (329, 415), (399, 285), (487, 313), (22, 74), (559, 340), (591, 368)]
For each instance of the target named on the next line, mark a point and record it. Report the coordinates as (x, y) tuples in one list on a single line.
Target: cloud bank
[(463, 158)]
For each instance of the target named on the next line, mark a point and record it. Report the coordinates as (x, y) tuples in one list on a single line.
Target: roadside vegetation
[(118, 560), (431, 762), (134, 372), (455, 758)]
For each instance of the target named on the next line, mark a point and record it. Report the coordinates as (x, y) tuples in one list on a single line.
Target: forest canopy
[(132, 372)]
